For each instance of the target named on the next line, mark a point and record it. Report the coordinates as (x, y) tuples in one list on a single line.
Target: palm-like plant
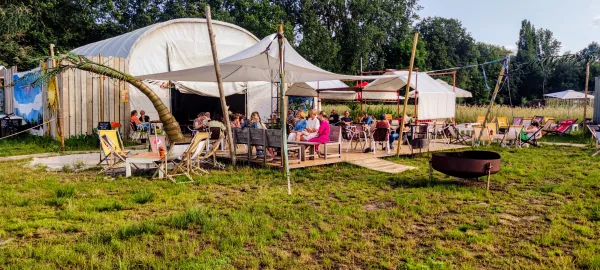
[(74, 61)]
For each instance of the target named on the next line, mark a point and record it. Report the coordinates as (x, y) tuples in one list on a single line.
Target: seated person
[(382, 123), (346, 118), (206, 119), (143, 117), (199, 122), (216, 122), (334, 118), (312, 126), (138, 124), (236, 121), (367, 119), (533, 128), (323, 132), (299, 126)]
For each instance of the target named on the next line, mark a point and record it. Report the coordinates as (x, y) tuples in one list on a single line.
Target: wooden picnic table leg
[(127, 168)]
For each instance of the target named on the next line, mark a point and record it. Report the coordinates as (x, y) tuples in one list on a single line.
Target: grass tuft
[(143, 196), (190, 218), (134, 230), (65, 191), (110, 207)]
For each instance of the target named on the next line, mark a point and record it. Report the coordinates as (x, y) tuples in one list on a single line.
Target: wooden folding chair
[(456, 137), (180, 157), (595, 130), (480, 119), (111, 149), (502, 123), (210, 155), (512, 135), (485, 137)]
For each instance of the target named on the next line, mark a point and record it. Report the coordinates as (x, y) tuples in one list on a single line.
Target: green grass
[(543, 211)]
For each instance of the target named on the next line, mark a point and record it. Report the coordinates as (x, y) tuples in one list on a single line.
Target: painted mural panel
[(301, 103), (28, 97)]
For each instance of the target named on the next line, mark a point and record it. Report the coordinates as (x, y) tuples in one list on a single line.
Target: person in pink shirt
[(324, 129)]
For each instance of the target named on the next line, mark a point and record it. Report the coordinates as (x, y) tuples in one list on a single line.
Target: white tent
[(309, 89), (568, 94), (259, 63), (175, 45), (460, 93), (434, 99)]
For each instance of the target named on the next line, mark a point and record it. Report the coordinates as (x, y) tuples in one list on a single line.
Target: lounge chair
[(526, 122), (180, 157), (563, 128), (530, 139), (477, 135), (480, 119), (493, 127), (502, 123), (517, 121), (208, 155), (111, 149), (456, 137), (539, 119), (511, 136), (548, 126), (595, 130)]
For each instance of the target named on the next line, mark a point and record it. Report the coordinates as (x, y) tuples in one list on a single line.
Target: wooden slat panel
[(84, 102), (64, 102), (77, 94), (109, 112), (72, 106), (127, 106), (122, 113), (89, 99), (115, 83), (96, 98)]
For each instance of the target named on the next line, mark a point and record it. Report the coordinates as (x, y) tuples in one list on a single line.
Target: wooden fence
[(88, 98)]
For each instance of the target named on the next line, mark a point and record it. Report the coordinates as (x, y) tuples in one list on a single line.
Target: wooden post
[(489, 111), (282, 117), (101, 89), (585, 101), (410, 69), (224, 107), (59, 116)]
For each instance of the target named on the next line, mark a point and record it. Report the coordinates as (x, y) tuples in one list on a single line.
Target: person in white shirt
[(312, 126)]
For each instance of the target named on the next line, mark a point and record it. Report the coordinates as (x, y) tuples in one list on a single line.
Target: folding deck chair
[(111, 149), (180, 157), (526, 122), (517, 121), (563, 128), (539, 119), (595, 130), (548, 126), (480, 119), (529, 139), (502, 123), (512, 135), (456, 137), (485, 137)]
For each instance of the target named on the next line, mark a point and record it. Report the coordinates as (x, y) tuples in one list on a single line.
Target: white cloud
[(596, 21)]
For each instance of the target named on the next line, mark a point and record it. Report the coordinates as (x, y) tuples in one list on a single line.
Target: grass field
[(468, 114), (543, 212)]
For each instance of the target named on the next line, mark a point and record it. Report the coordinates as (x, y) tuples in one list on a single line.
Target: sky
[(575, 23)]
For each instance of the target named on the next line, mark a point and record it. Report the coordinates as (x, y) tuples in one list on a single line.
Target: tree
[(72, 61)]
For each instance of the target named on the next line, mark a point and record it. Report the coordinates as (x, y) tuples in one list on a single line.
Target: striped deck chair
[(563, 128), (111, 149), (595, 130), (517, 121)]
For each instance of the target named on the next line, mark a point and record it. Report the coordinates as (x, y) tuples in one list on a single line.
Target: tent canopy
[(309, 89), (568, 94), (258, 63), (434, 99), (460, 93)]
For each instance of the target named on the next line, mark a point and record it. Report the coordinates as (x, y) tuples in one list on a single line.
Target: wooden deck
[(351, 155)]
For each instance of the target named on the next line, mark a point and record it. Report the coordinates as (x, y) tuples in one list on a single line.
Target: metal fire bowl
[(466, 164)]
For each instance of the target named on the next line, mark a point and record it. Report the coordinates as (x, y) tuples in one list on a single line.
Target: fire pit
[(467, 164)]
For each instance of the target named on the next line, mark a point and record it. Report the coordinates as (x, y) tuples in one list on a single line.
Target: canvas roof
[(569, 94), (309, 89), (460, 93), (258, 63)]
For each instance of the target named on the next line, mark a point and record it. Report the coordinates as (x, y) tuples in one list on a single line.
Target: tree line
[(337, 35)]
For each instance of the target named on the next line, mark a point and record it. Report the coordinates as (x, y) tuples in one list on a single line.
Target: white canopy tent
[(434, 99), (309, 89), (460, 93), (568, 94), (175, 45)]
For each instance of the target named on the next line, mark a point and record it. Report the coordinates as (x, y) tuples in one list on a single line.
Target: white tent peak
[(309, 89), (568, 94), (121, 46), (259, 62)]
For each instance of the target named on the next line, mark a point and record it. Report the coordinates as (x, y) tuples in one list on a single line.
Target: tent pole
[(417, 97), (59, 113), (224, 107), (412, 62), (282, 112), (496, 89), (585, 101)]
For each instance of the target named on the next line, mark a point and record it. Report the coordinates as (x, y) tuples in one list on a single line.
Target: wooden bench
[(335, 138), (274, 141), (269, 138)]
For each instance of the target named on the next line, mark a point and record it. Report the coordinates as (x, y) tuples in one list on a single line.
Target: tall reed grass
[(466, 113)]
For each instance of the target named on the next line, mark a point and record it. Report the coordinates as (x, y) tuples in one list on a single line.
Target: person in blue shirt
[(299, 126), (367, 119)]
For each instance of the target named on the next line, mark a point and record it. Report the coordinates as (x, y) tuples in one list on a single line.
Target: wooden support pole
[(410, 69), (489, 111), (59, 116), (585, 101), (224, 107), (282, 111), (101, 91)]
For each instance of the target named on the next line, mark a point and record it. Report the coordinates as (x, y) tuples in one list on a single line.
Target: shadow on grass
[(425, 182)]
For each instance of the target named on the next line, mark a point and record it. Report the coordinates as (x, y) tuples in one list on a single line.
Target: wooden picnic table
[(142, 158)]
